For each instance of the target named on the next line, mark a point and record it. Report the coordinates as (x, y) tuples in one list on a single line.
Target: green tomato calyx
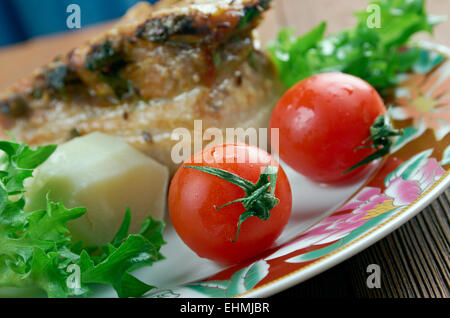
[(259, 197), (381, 136)]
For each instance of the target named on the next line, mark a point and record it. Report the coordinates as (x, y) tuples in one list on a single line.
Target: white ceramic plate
[(331, 224)]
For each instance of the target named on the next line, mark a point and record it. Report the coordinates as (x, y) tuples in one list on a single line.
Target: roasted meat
[(159, 68)]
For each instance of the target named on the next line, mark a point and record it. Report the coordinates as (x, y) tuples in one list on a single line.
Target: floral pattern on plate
[(420, 159)]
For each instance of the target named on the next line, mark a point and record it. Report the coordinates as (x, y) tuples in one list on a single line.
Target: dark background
[(21, 20)]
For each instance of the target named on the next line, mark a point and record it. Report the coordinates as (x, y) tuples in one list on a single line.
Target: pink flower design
[(425, 97), (402, 191), (338, 226), (429, 174), (370, 202)]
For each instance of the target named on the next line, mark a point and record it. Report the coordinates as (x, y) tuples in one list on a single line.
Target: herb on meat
[(108, 61), (251, 12)]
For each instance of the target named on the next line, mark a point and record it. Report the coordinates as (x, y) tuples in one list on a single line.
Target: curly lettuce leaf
[(36, 248), (376, 55)]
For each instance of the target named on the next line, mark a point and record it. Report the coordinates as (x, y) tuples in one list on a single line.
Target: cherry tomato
[(212, 232), (322, 121)]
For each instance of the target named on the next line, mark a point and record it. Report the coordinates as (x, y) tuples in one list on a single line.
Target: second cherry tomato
[(323, 121)]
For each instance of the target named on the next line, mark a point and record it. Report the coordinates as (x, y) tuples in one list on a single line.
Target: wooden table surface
[(414, 260)]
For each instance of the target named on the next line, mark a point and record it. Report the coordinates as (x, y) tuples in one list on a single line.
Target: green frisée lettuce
[(374, 50), (36, 248)]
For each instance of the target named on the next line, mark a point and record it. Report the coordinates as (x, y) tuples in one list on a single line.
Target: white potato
[(105, 175)]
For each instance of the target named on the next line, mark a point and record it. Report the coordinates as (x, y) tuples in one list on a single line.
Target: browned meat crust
[(159, 68)]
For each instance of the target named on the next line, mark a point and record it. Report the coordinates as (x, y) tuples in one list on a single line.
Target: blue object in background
[(21, 20)]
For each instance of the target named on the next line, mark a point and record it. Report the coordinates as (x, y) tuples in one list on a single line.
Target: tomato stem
[(259, 198), (381, 133)]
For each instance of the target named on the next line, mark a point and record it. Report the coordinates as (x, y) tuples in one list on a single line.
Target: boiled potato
[(105, 175)]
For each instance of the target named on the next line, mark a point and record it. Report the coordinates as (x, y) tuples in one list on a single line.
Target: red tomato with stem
[(206, 209), (325, 124)]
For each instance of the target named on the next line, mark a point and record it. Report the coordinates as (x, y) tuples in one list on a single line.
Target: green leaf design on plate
[(214, 288), (406, 169), (242, 281), (409, 133), (255, 274), (345, 240), (246, 278), (446, 157), (427, 61)]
